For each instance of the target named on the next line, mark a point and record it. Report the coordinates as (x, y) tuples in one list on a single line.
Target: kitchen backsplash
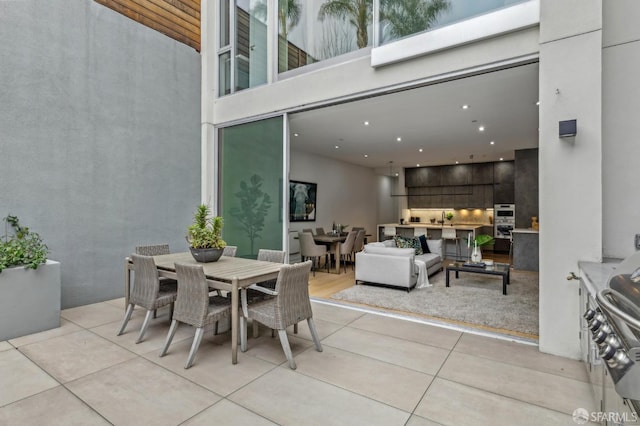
[(460, 216)]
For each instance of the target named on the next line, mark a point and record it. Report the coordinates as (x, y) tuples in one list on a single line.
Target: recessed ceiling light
[(501, 159), (420, 150), (296, 134), (457, 162), (481, 129), (465, 106), (337, 147), (399, 139), (417, 165), (538, 103), (492, 143), (366, 123), (396, 174), (366, 156)]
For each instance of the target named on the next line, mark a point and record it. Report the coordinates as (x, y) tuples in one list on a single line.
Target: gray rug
[(472, 298)]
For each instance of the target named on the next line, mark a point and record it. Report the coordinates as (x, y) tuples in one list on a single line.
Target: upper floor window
[(314, 30), (242, 50), (402, 18)]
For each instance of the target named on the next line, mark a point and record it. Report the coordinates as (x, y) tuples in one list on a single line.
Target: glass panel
[(251, 43), (224, 75), (402, 18), (314, 30), (224, 23), (251, 201)]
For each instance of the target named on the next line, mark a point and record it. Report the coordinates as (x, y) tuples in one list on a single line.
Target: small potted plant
[(205, 235), (449, 217)]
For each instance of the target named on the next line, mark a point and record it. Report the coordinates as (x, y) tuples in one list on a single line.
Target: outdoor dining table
[(228, 273), (335, 241)]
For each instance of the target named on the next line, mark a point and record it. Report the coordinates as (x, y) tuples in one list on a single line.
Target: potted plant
[(449, 217), (205, 235), (29, 283), (479, 241)]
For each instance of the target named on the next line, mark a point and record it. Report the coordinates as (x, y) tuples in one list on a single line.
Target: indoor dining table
[(228, 273), (334, 241)]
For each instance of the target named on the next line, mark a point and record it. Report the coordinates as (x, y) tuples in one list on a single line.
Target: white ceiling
[(430, 118)]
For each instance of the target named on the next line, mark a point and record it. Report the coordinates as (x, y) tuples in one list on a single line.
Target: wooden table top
[(225, 269)]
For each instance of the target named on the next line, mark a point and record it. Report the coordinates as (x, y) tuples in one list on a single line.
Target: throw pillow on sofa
[(408, 242), (423, 244)]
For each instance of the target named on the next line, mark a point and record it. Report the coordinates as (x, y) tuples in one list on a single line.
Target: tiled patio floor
[(374, 370)]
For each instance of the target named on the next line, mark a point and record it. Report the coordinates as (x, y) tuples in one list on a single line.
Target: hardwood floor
[(325, 285)]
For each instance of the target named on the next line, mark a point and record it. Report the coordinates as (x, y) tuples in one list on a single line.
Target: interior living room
[(121, 117), (484, 121)]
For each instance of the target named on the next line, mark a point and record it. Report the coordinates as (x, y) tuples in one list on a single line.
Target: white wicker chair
[(148, 292), (230, 251), (195, 307), (290, 305)]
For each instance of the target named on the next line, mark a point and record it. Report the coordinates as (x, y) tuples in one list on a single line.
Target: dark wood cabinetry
[(479, 185)]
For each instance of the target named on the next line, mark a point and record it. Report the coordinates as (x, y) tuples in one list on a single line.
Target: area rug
[(472, 299)]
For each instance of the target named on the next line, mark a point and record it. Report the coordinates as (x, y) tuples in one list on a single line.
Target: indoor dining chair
[(194, 306), (310, 250), (290, 305), (148, 292)]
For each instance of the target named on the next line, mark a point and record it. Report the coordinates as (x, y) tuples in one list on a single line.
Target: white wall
[(570, 169), (347, 194), (330, 82), (621, 127)]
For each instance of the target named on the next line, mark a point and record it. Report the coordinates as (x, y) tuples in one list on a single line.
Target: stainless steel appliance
[(504, 220), (613, 323)]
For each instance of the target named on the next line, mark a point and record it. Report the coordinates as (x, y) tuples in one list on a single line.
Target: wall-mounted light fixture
[(568, 128)]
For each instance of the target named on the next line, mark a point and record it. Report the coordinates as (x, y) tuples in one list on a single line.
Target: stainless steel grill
[(615, 328)]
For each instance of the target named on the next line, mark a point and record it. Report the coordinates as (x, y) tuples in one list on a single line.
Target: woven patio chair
[(148, 292), (153, 250), (195, 307), (309, 249), (230, 251), (251, 295), (290, 305)]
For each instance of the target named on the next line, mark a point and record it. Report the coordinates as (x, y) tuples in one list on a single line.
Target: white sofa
[(384, 263)]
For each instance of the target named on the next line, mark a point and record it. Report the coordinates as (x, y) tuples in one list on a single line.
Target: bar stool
[(450, 234)]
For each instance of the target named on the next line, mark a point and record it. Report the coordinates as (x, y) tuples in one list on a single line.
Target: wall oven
[(504, 220)]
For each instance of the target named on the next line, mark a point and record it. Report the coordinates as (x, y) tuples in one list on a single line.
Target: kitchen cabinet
[(504, 193), (423, 176), (458, 174), (482, 174), (478, 185)]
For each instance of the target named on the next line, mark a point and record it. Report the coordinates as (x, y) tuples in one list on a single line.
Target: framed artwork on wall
[(302, 201)]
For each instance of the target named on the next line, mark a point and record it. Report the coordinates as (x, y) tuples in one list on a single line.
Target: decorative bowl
[(206, 255)]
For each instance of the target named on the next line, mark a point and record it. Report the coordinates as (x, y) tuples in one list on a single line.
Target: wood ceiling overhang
[(178, 19)]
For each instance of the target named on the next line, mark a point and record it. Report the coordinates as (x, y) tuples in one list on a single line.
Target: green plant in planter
[(449, 216), (23, 248), (205, 231), (483, 240)]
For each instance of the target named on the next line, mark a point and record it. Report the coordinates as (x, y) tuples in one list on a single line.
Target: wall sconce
[(568, 128)]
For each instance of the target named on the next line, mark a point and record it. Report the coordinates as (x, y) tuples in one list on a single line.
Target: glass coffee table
[(501, 269)]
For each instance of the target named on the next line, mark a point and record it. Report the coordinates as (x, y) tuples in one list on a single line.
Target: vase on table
[(476, 255)]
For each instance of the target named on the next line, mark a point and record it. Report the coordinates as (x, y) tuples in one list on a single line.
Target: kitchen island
[(525, 249), (434, 232)]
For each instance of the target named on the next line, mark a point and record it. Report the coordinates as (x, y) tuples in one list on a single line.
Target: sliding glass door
[(251, 178)]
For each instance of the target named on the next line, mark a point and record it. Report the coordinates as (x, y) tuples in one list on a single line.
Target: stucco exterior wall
[(99, 137)]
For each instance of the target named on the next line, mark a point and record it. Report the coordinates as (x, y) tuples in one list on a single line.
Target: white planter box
[(29, 300)]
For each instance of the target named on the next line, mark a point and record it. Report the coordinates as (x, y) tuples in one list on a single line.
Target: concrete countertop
[(432, 226), (596, 275), (525, 231)]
